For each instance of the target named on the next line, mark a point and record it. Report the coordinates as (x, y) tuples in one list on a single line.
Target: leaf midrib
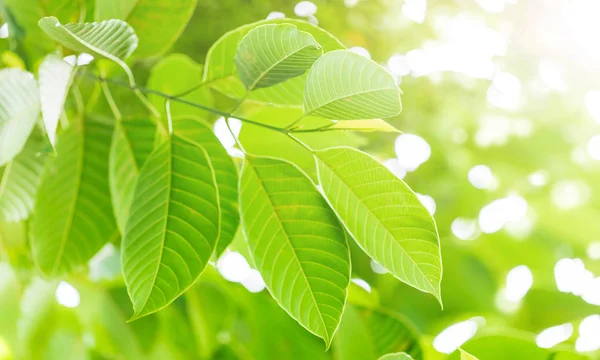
[(347, 96), (293, 250), (436, 293), (264, 73), (71, 215)]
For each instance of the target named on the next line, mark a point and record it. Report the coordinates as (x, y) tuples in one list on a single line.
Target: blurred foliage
[(546, 134)]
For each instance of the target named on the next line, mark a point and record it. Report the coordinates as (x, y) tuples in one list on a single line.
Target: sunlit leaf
[(157, 23), (54, 78), (112, 39), (14, 249), (199, 133), (19, 110), (173, 224), (271, 54), (72, 216), (371, 333), (20, 181), (364, 125), (343, 85), (297, 243), (132, 142), (220, 70), (383, 215), (396, 356), (466, 356)]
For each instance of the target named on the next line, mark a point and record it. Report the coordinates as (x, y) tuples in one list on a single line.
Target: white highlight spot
[(554, 335), (254, 281), (378, 268), (224, 135), (455, 335), (84, 59), (551, 75), (569, 194), (394, 166), (593, 147), (71, 60), (398, 65), (305, 8), (4, 31), (363, 284), (275, 15), (465, 229), (505, 91), (518, 282), (495, 215), (233, 266), (592, 104), (538, 178), (428, 202), (415, 10), (361, 51), (571, 276), (67, 295), (588, 340), (593, 250), (411, 151), (481, 177), (350, 3)]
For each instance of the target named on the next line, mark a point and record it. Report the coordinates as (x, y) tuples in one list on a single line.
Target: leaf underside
[(297, 243)]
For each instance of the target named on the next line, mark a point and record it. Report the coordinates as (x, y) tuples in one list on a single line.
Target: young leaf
[(270, 54), (465, 355), (54, 78), (343, 85), (220, 67), (173, 225), (157, 23), (20, 181), (19, 109), (364, 125), (383, 215), (132, 142), (297, 243), (112, 39), (73, 216), (396, 356), (199, 133), (368, 334)]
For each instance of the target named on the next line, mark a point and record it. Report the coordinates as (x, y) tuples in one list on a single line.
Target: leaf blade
[(54, 81), (272, 53), (319, 270), (343, 85), (407, 230), (19, 109), (73, 216), (166, 248)]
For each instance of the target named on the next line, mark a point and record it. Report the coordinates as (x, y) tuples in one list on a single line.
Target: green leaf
[(199, 133), (343, 85), (111, 39), (369, 334), (157, 23), (20, 181), (466, 356), (132, 143), (220, 69), (271, 54), (383, 215), (173, 225), (364, 125), (176, 74), (14, 245), (54, 79), (396, 356), (297, 243), (19, 110), (73, 217)]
